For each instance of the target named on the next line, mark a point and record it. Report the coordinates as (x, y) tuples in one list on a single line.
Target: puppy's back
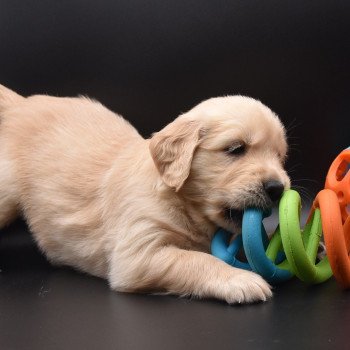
[(60, 151)]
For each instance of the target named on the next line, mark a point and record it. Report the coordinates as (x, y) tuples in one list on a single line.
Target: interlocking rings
[(264, 257), (330, 214)]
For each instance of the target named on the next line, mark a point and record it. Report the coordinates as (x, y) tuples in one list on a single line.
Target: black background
[(151, 60)]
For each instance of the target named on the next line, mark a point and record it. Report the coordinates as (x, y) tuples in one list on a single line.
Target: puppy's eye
[(236, 149)]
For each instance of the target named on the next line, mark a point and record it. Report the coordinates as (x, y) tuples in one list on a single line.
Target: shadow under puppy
[(140, 213)]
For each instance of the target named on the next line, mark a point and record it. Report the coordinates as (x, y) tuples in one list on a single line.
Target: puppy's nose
[(274, 189)]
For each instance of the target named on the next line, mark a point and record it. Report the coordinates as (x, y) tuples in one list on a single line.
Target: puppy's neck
[(183, 212)]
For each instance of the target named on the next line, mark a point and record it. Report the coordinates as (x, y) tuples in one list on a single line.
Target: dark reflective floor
[(42, 307)]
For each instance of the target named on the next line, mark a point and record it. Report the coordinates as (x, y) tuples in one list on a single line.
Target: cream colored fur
[(140, 213)]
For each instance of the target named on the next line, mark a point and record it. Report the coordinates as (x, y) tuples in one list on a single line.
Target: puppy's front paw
[(247, 287)]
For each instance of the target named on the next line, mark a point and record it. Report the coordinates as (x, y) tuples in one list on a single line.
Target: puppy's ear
[(172, 150)]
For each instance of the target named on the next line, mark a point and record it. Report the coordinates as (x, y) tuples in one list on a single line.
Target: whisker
[(294, 166), (293, 125), (310, 180), (304, 192)]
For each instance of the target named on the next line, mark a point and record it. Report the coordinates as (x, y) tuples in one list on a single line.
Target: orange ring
[(338, 180), (336, 235)]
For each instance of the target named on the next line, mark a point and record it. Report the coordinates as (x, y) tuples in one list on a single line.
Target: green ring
[(301, 247)]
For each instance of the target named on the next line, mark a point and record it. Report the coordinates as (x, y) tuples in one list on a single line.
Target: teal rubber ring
[(221, 249), (253, 232)]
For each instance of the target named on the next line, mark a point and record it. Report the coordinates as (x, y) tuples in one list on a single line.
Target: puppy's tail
[(8, 98)]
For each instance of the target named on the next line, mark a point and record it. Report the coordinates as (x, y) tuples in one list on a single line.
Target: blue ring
[(254, 243), (221, 249)]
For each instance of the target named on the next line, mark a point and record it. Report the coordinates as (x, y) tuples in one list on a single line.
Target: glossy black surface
[(42, 307)]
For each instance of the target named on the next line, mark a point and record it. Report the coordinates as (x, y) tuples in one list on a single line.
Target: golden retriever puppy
[(140, 213)]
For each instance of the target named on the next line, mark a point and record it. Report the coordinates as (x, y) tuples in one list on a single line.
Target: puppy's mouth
[(234, 215), (233, 210)]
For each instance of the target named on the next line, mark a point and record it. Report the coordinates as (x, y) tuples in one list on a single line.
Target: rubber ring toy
[(336, 235), (221, 248), (301, 247), (254, 235)]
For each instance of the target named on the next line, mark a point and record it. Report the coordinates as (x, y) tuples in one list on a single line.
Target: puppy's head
[(223, 156)]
